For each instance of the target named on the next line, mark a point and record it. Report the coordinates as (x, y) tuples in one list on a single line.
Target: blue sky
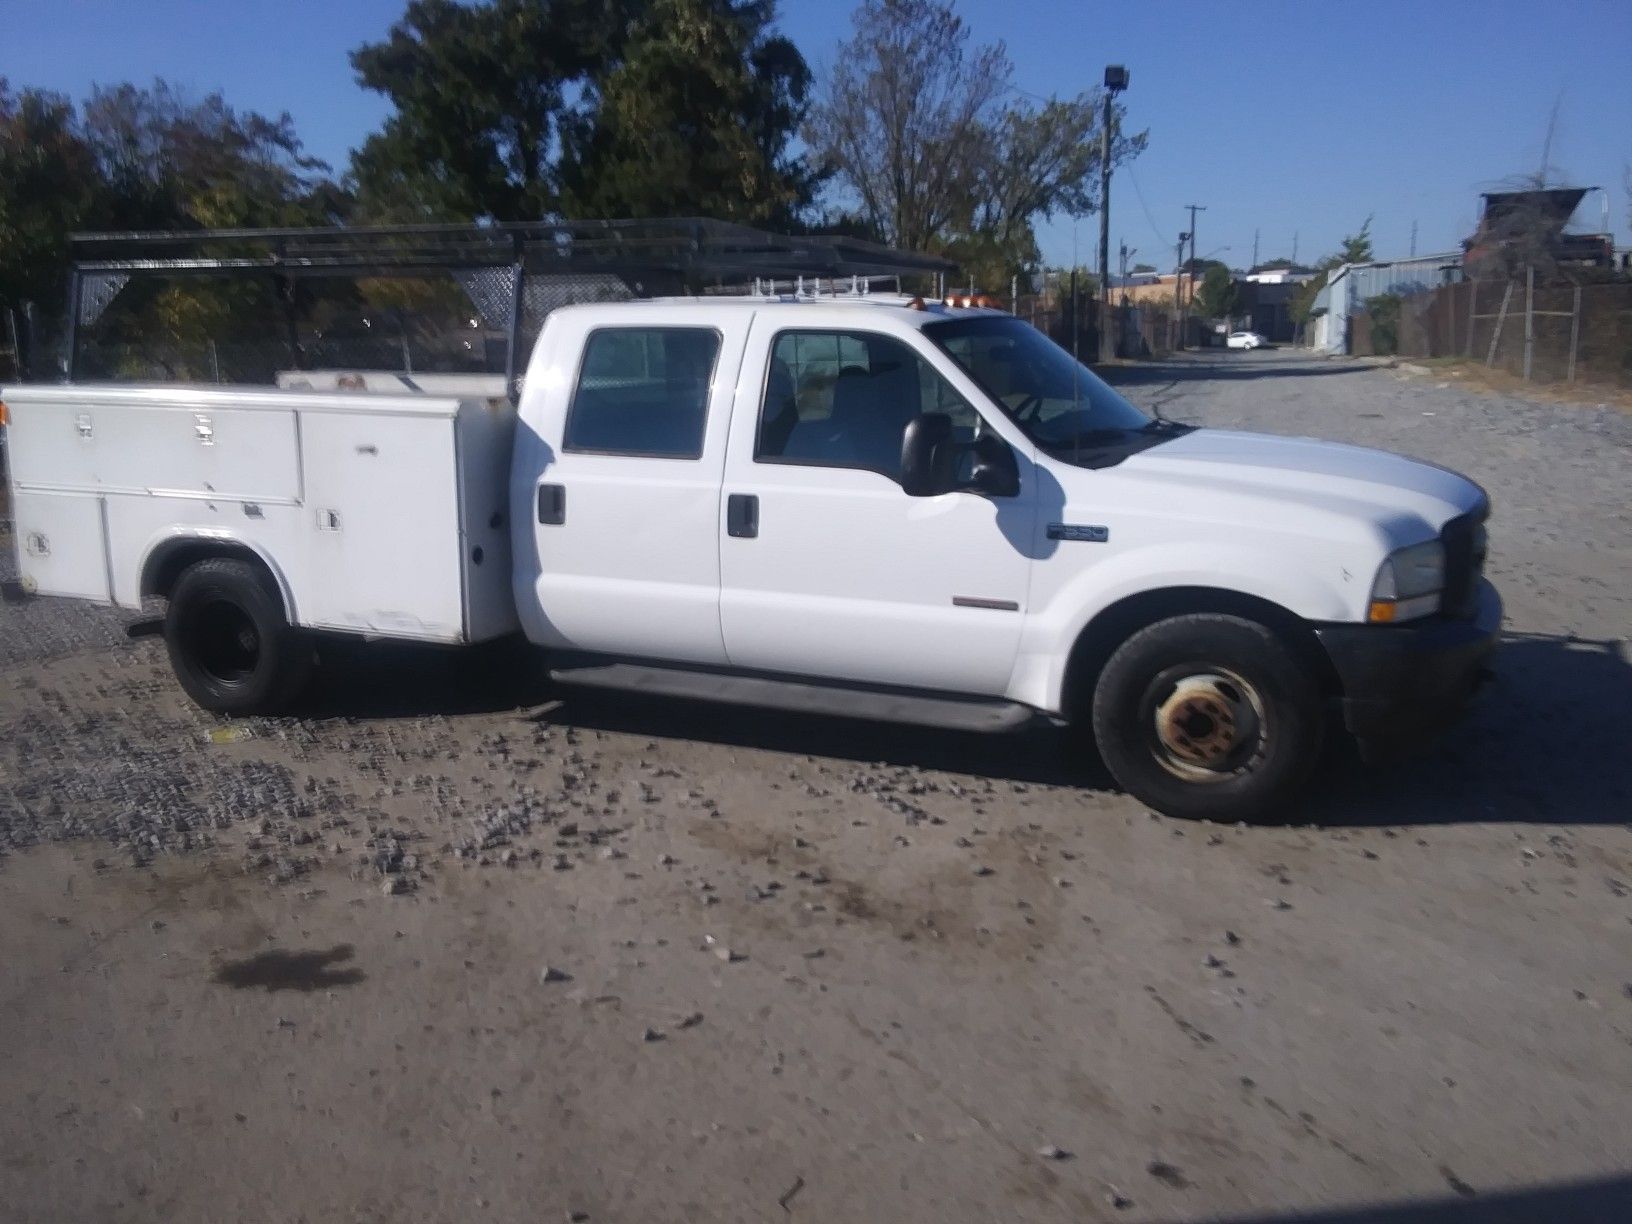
[(1285, 118)]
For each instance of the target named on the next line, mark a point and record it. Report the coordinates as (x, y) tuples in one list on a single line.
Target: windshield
[(1059, 402)]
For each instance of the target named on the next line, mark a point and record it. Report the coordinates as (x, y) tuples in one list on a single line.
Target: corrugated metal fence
[(1559, 331)]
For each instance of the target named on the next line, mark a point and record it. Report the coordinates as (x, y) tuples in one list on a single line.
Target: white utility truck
[(862, 505)]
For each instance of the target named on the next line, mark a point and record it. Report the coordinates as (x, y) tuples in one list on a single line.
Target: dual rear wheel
[(230, 644)]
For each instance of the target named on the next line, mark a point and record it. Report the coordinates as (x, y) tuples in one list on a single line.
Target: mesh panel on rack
[(490, 291), (96, 292), (544, 292)]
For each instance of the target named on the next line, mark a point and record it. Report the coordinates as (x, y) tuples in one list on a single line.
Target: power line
[(1161, 240), (1026, 93)]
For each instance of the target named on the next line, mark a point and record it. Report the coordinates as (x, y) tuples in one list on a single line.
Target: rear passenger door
[(626, 511)]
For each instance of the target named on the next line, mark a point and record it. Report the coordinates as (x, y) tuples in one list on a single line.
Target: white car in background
[(1245, 340)]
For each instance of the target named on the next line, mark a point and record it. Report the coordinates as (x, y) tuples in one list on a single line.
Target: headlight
[(1409, 584)]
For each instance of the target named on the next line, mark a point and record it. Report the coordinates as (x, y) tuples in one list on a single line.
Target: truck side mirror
[(926, 454), (932, 463), (995, 472)]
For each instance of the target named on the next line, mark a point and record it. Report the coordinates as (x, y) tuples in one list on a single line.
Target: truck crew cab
[(864, 504)]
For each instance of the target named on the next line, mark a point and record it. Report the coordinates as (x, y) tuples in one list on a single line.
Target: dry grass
[(1476, 376)]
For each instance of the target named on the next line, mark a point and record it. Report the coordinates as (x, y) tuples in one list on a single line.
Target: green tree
[(480, 97), (142, 158), (1355, 248), (1087, 280), (1039, 161), (1384, 310), (48, 180), (1142, 267), (698, 118), (169, 162), (519, 110), (1219, 295), (1302, 303)]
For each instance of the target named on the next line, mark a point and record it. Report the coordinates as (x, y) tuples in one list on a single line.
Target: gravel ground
[(443, 948)]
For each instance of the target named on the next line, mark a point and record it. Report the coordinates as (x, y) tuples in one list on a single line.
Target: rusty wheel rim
[(1206, 723)]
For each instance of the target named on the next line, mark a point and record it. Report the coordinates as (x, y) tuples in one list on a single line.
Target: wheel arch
[(168, 557), (1118, 621)]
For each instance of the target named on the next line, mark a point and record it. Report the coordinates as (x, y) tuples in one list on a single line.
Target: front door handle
[(552, 504), (742, 516)]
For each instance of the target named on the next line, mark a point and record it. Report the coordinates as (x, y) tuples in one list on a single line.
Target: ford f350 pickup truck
[(867, 505)]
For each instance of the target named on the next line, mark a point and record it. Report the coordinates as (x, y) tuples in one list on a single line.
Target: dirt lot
[(447, 949)]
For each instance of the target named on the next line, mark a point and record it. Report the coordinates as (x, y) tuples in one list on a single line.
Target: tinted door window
[(844, 399), (643, 391)]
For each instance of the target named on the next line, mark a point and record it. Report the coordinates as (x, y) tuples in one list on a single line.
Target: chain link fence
[(1138, 330)]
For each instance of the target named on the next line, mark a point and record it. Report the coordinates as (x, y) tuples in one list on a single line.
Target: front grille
[(1464, 540)]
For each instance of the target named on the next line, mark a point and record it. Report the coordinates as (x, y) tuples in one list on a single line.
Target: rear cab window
[(643, 391)]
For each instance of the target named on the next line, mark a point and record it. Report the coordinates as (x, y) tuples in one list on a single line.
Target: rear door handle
[(552, 504), (742, 516)]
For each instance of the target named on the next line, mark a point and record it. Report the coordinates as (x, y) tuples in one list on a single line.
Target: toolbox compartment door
[(62, 544)]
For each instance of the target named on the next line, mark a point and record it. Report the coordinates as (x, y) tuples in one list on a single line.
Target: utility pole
[(1194, 209), (1116, 80), (1255, 248), (1178, 282), (1294, 246), (1413, 240)]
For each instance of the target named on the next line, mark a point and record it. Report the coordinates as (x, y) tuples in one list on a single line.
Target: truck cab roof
[(901, 309)]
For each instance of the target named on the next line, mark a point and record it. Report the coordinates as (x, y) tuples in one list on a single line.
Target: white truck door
[(625, 503), (827, 567)]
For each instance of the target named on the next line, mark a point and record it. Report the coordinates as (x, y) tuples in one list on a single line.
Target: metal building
[(1348, 287)]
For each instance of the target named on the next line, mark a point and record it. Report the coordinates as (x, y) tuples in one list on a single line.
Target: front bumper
[(1404, 683)]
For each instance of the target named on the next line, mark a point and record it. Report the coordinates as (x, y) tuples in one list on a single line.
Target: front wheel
[(1210, 717), (230, 644)]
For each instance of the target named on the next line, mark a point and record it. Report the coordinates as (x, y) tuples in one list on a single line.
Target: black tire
[(1209, 717), (230, 644)]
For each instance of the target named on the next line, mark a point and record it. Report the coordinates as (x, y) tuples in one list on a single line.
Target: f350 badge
[(1087, 533)]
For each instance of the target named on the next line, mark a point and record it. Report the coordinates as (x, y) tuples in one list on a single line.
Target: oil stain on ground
[(280, 970)]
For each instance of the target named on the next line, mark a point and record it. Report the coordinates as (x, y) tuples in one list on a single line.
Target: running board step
[(956, 713)]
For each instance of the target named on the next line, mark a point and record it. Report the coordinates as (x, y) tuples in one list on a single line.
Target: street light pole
[(1116, 80)]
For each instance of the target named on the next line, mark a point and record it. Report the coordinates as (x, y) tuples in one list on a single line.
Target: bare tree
[(904, 118), (926, 134)]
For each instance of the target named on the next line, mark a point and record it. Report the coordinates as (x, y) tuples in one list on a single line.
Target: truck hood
[(1407, 499)]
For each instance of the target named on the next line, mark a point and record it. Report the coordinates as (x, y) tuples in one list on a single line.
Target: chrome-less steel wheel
[(1209, 716), (1206, 725)]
